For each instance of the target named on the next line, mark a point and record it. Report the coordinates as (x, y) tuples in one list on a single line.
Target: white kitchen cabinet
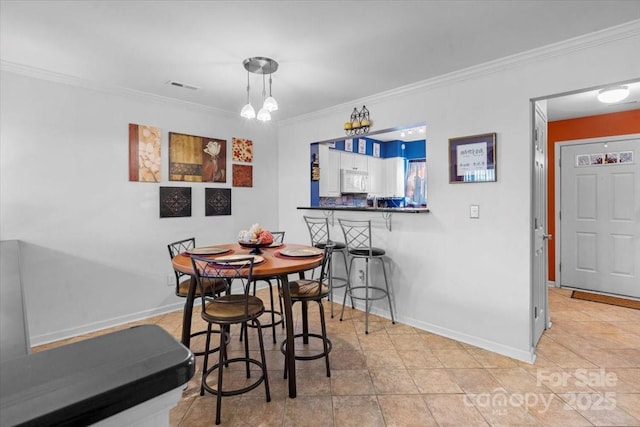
[(394, 173), (329, 171), (353, 161), (377, 176)]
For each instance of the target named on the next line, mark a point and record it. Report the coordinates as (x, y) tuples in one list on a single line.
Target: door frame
[(558, 193)]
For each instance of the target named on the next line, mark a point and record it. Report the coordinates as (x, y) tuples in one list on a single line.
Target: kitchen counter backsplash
[(356, 200), (362, 201)]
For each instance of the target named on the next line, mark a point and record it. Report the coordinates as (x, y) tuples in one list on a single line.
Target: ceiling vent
[(183, 85)]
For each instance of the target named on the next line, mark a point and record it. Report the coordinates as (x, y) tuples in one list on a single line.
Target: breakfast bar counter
[(365, 209), (386, 212)]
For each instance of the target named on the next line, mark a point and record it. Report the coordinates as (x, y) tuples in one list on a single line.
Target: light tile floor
[(587, 373)]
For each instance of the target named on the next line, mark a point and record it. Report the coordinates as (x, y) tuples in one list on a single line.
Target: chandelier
[(264, 66)]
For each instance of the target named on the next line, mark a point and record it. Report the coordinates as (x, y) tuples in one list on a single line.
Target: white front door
[(600, 216)]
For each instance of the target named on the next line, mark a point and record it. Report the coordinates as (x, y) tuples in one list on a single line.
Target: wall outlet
[(474, 211), (361, 276), (171, 280)]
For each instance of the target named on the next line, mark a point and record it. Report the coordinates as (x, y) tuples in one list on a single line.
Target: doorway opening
[(561, 109)]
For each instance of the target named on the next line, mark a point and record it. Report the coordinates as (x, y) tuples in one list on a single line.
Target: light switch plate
[(474, 211)]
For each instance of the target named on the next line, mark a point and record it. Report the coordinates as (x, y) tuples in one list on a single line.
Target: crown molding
[(619, 32), (66, 79)]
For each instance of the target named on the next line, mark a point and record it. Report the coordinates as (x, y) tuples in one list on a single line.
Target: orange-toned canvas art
[(242, 176), (197, 159), (144, 153), (242, 150)]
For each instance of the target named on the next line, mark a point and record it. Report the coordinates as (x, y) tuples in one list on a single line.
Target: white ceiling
[(330, 52)]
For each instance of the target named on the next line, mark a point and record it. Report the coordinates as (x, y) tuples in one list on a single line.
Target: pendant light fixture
[(260, 65), (247, 111)]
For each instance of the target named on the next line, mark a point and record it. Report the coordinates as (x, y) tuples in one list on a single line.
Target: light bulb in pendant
[(264, 115), (248, 112)]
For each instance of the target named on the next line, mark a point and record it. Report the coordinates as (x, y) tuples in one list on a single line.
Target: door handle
[(547, 236)]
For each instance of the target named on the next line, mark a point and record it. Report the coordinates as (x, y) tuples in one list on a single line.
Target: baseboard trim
[(528, 356), (88, 328)]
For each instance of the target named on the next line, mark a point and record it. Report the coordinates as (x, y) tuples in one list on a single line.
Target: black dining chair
[(225, 311), (183, 280), (305, 291)]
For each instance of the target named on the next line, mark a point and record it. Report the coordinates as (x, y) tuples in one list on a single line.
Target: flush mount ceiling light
[(410, 132), (613, 94), (264, 66)]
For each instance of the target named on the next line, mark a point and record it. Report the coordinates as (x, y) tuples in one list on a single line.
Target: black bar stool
[(357, 235), (183, 280), (305, 291), (227, 310), (319, 233)]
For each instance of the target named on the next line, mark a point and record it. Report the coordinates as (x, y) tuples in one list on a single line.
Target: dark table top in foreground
[(84, 382)]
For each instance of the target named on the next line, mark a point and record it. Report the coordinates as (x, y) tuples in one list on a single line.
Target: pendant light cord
[(248, 87)]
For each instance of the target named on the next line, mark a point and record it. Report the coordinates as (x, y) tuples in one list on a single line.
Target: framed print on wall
[(217, 201), (472, 159), (362, 146), (242, 175), (144, 153), (196, 158), (175, 202), (348, 145), (242, 150)]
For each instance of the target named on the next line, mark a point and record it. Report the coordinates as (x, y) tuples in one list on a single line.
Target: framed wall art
[(197, 159), (217, 201), (348, 145), (175, 202), (144, 153), (242, 150), (242, 176), (472, 159)]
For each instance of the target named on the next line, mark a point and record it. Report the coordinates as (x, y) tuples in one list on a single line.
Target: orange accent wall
[(612, 124)]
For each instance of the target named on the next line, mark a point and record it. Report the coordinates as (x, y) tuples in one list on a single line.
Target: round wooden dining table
[(274, 264)]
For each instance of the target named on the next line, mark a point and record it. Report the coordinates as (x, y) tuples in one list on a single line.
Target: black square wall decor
[(175, 202), (217, 201)]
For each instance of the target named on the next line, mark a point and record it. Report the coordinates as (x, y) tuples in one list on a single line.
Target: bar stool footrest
[(268, 325), (382, 291), (235, 392), (308, 357), (344, 281)]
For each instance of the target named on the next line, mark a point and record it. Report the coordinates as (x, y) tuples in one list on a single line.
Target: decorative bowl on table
[(256, 245), (256, 237)]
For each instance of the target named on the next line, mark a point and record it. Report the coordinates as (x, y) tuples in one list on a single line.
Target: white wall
[(465, 278), (95, 250)]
